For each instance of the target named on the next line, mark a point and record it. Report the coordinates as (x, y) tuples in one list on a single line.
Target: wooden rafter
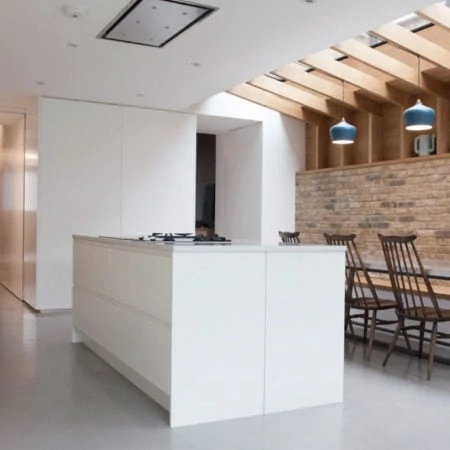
[(391, 66), (294, 73), (414, 43), (438, 13), (358, 78), (311, 101), (272, 101)]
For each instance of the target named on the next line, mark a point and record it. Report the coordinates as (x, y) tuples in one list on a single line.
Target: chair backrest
[(408, 276), (290, 237), (356, 271)]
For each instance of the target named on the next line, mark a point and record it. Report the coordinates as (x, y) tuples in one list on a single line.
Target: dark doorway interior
[(206, 181)]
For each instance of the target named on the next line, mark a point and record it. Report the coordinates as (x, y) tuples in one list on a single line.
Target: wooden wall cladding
[(379, 138)]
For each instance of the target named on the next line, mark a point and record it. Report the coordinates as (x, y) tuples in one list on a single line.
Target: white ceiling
[(244, 39), (220, 125)]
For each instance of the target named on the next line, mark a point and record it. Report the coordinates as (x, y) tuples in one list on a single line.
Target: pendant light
[(343, 133), (419, 117)]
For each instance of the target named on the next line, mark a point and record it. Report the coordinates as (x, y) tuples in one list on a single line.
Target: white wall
[(107, 170), (238, 184), (11, 206), (158, 172), (282, 155), (79, 188)]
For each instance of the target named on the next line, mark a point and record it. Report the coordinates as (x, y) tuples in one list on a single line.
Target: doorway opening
[(205, 214)]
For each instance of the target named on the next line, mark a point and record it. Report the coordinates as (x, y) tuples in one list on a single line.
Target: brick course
[(397, 198)]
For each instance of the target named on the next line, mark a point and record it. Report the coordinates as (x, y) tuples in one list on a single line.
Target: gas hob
[(180, 239)]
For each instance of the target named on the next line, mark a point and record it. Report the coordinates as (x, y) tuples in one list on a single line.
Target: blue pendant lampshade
[(343, 133), (419, 117)]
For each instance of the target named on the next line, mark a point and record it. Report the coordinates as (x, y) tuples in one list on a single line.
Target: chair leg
[(422, 334), (394, 341), (366, 324), (405, 335), (347, 318), (372, 332), (432, 349), (352, 330)]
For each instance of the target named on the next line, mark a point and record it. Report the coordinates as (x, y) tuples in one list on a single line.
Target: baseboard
[(153, 391)]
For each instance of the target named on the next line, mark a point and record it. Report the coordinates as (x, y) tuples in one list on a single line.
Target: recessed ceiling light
[(140, 94), (40, 83), (72, 44), (75, 11), (310, 1), (195, 64)]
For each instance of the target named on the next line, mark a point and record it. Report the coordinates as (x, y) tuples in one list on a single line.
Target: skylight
[(412, 22)]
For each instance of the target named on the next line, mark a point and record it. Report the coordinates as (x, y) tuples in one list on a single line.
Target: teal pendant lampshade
[(343, 133), (419, 117)]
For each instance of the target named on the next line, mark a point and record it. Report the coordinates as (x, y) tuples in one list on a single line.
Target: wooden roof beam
[(276, 103), (414, 43), (305, 98), (438, 13), (358, 78), (391, 66), (295, 74)]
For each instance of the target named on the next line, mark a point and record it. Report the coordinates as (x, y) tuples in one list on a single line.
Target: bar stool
[(360, 291)]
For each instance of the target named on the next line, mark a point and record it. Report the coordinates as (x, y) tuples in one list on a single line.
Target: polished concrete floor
[(58, 396)]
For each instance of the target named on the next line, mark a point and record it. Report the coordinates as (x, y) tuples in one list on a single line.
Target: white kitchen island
[(214, 332)]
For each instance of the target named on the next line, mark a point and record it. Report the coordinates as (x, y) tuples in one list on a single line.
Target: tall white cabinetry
[(99, 166)]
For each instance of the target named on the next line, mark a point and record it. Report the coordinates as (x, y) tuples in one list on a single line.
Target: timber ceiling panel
[(384, 73)]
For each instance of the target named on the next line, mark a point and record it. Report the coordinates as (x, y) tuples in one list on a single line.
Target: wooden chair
[(407, 274), (290, 237), (361, 294)]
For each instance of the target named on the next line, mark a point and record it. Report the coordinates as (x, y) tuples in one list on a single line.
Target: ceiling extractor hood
[(155, 22)]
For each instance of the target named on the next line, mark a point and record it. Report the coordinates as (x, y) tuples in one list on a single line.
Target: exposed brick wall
[(411, 197)]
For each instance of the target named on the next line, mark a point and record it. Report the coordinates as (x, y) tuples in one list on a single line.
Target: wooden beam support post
[(305, 98), (414, 43), (272, 101), (358, 78), (391, 66), (295, 74), (438, 13)]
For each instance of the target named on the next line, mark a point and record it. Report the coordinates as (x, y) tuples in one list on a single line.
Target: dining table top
[(436, 269)]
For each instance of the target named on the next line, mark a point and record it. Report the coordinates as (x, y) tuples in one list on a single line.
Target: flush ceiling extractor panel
[(155, 22)]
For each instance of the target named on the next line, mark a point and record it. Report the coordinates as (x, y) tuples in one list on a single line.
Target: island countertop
[(238, 247)]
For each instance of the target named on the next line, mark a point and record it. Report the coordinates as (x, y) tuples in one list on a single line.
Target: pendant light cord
[(343, 99), (418, 77)]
